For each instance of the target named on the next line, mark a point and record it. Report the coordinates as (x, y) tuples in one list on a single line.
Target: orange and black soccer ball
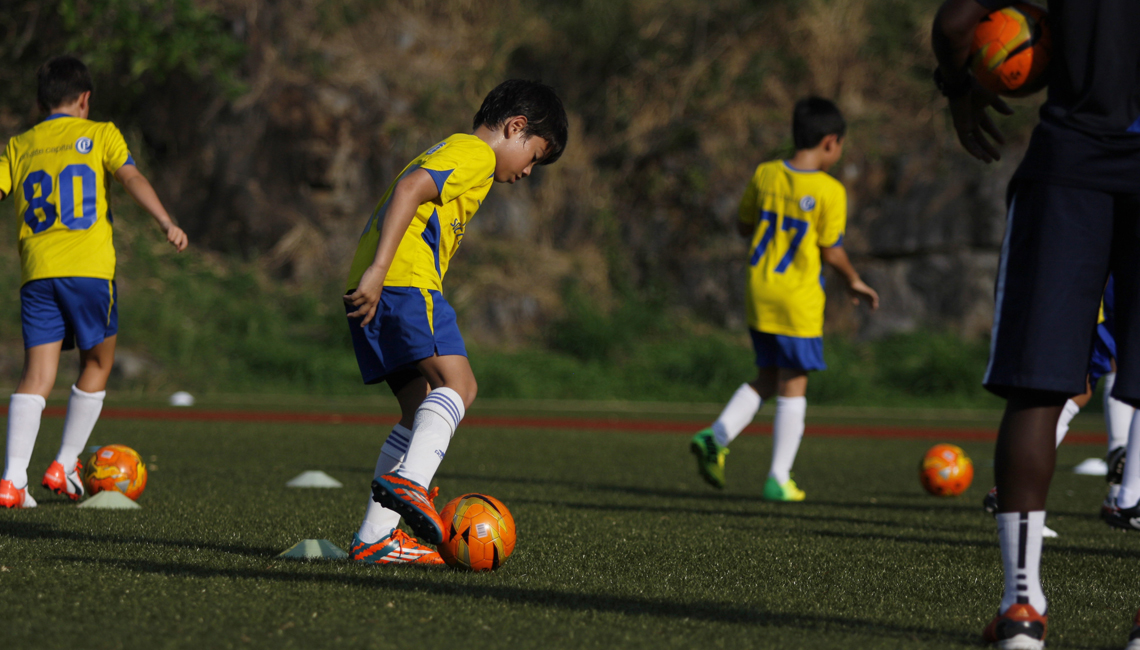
[(478, 533), (115, 467), (946, 471), (1011, 50)]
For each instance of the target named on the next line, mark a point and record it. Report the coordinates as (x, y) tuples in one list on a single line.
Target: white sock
[(787, 431), (435, 423), (1117, 415), (1067, 414), (378, 520), (737, 414), (83, 411), (1129, 494), (1020, 536), (24, 413)]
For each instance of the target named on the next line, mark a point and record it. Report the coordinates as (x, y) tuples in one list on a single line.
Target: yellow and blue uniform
[(793, 214), (60, 172), (413, 320)]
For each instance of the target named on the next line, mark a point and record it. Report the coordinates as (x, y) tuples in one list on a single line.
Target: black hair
[(61, 80), (537, 102), (814, 118)]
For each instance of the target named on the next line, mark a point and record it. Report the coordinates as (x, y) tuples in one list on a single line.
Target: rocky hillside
[(272, 128)]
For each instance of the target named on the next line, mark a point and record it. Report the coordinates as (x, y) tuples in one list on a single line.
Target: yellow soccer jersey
[(463, 167), (60, 171), (794, 213)]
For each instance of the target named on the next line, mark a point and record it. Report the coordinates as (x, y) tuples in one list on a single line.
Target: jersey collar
[(56, 116), (802, 171)]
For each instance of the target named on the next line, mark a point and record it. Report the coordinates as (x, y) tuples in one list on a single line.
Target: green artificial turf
[(620, 545)]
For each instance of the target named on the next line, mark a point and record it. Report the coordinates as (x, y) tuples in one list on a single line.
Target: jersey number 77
[(799, 226)]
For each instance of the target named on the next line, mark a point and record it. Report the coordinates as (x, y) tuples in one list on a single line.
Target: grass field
[(620, 545)]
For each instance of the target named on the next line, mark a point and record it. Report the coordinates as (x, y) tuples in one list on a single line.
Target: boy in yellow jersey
[(60, 172), (404, 331), (795, 215)]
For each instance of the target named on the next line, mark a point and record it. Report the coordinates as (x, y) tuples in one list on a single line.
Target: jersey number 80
[(66, 180)]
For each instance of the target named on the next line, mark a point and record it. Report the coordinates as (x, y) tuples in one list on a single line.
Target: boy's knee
[(472, 389)]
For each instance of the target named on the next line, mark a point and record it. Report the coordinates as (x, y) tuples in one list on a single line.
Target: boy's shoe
[(1115, 462), (789, 491), (989, 502), (1019, 628), (60, 482), (1134, 638), (397, 548), (1125, 518), (1109, 503), (710, 457), (14, 497), (414, 504)]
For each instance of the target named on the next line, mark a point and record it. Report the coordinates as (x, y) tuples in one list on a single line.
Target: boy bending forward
[(403, 330), (60, 172), (794, 214)]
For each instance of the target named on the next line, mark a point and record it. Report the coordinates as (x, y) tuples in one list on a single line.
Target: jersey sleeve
[(749, 204), (833, 217), (115, 152), (5, 173), (458, 167)]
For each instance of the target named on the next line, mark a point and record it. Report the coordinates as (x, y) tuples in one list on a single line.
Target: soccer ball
[(115, 467), (946, 471), (478, 533), (1011, 50)]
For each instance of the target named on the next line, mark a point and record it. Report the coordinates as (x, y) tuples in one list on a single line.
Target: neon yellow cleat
[(789, 491), (710, 457)]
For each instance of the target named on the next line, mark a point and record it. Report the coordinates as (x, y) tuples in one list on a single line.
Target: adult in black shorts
[(1073, 209)]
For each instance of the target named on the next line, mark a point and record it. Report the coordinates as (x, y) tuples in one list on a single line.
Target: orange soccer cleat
[(1019, 628), (414, 504), (14, 497), (60, 482), (396, 548)]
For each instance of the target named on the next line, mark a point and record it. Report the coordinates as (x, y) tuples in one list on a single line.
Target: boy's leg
[(86, 401), (25, 410), (788, 425), (742, 407), (378, 520)]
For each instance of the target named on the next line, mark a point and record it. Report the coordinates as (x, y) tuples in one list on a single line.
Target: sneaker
[(1115, 462), (397, 548), (1019, 628), (789, 491), (1109, 503), (1125, 518), (14, 497), (710, 457), (60, 482), (989, 502), (1134, 638), (414, 504)]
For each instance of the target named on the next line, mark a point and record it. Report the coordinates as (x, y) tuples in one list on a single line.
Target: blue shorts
[(776, 350), (77, 311), (410, 325)]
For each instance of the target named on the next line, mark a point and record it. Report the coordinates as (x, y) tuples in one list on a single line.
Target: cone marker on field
[(314, 479), (110, 500), (314, 549), (1092, 467)]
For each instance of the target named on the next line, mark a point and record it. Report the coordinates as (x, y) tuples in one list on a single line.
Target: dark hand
[(973, 123)]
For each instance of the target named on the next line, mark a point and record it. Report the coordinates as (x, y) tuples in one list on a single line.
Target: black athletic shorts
[(1060, 244)]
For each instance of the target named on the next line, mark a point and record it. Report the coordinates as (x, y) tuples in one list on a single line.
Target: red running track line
[(562, 423)]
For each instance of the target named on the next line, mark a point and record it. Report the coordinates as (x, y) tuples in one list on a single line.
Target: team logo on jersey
[(807, 204), (84, 145)]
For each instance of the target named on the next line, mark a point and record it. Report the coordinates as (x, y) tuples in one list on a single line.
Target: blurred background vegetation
[(271, 128)]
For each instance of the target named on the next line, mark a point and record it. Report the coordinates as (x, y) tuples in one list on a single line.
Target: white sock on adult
[(378, 520), (436, 419), (737, 414), (1067, 414), (787, 432), (1020, 536), (1117, 415), (1129, 495), (24, 413), (83, 411)]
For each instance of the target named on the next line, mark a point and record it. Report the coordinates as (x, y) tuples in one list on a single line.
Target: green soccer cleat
[(710, 457), (789, 491)]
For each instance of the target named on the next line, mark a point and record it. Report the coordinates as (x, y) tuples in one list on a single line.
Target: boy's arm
[(837, 259), (411, 192), (141, 191), (951, 37)]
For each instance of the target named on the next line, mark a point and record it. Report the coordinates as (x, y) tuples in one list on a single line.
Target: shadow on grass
[(1051, 548), (623, 605), (31, 530)]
